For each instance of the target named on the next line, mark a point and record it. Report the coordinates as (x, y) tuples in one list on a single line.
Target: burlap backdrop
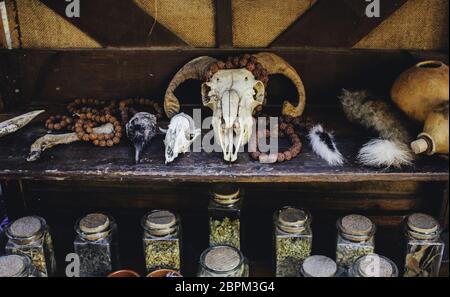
[(419, 24)]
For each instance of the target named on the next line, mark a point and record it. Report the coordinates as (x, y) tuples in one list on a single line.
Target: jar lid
[(26, 227), (222, 258), (319, 266), (422, 223), (94, 223), (356, 225), (94, 226), (13, 265), (292, 220), (226, 193), (374, 265), (160, 222)]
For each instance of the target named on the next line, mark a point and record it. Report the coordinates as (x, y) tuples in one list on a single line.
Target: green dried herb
[(347, 254), (162, 254), (290, 253), (225, 232)]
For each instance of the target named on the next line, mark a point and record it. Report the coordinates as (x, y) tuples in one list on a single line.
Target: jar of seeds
[(30, 236), (16, 266), (223, 261), (293, 240), (224, 215), (356, 238), (96, 244), (162, 240), (318, 266), (424, 246), (373, 265)]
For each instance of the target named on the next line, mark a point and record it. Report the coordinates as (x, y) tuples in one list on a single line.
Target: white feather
[(333, 157), (385, 153)]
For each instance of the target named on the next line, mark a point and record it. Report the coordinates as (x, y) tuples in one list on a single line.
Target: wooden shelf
[(82, 161)]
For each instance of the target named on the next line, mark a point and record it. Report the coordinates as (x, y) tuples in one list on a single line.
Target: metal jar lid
[(319, 266), (160, 222), (26, 230), (94, 226), (356, 227), (14, 265), (374, 265), (226, 194), (422, 226), (222, 259), (293, 220)]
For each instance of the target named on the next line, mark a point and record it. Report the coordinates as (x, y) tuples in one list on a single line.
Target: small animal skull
[(179, 136), (232, 95)]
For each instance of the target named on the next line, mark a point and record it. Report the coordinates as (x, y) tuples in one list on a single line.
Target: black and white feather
[(140, 130), (322, 143)]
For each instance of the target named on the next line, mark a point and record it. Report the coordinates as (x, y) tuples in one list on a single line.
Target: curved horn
[(276, 65), (195, 69)]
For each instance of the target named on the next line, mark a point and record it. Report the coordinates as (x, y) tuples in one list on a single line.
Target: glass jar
[(224, 216), (293, 240), (424, 246), (373, 265), (96, 244), (162, 240), (223, 261), (318, 266), (356, 238), (16, 266), (30, 236)]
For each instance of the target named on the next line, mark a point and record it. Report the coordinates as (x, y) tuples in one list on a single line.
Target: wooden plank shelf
[(82, 161)]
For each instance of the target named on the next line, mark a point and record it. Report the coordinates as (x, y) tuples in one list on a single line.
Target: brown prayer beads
[(126, 108), (288, 130), (84, 128)]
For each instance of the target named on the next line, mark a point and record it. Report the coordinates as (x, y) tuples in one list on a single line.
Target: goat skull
[(180, 135), (232, 95)]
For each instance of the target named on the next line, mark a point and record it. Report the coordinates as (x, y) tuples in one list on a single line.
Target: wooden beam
[(337, 23), (224, 23), (117, 23)]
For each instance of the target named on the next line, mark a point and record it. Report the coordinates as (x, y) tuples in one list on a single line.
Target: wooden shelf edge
[(151, 177)]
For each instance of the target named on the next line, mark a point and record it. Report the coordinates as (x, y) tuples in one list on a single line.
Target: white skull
[(179, 136), (232, 95)]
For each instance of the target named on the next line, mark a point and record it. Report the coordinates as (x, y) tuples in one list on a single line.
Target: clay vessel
[(421, 88), (164, 273), (124, 273), (434, 138)]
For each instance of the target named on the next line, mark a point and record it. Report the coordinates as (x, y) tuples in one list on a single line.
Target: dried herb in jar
[(355, 239), (224, 216), (223, 261), (96, 245), (424, 247), (162, 240), (293, 240), (30, 236)]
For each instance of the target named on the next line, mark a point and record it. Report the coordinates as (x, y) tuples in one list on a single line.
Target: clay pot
[(124, 273), (421, 88), (164, 273), (434, 138)]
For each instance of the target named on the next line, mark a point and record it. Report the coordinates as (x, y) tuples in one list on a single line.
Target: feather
[(324, 146), (385, 153)]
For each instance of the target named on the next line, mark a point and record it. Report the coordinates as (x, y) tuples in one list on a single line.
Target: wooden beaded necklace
[(89, 113)]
